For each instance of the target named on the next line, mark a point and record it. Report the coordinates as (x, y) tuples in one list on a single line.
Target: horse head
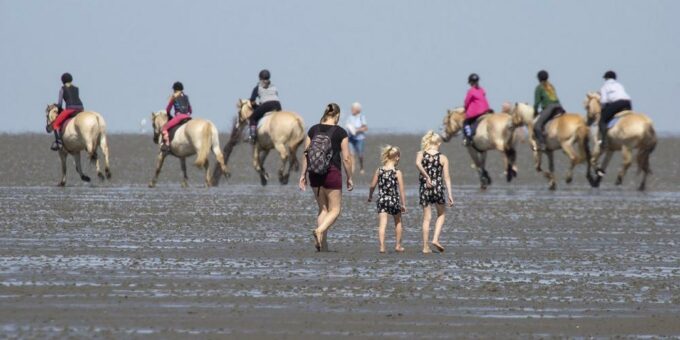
[(51, 113), (158, 119), (593, 107), (245, 110), (453, 123), (522, 114)]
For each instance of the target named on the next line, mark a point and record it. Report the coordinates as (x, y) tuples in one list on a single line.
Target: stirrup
[(165, 148), (56, 146)]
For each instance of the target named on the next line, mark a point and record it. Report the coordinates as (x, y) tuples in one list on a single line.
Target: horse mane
[(456, 110)]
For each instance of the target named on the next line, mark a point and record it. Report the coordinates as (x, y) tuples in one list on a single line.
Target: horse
[(280, 130), (567, 131), (196, 137), (631, 131), (86, 131), (494, 132)]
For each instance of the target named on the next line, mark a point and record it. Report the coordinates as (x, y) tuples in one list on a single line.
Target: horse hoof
[(552, 187), (108, 174), (185, 184), (152, 185), (101, 176), (85, 178), (619, 180), (568, 180), (641, 187), (61, 184)]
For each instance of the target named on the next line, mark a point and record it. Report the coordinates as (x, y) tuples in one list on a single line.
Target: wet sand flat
[(119, 259)]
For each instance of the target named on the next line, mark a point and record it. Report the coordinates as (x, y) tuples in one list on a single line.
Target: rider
[(180, 102), (68, 94), (475, 106), (268, 101), (614, 99), (545, 96)]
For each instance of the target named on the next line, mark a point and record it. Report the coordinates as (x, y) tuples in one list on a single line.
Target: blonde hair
[(332, 111), (431, 138), (389, 153)]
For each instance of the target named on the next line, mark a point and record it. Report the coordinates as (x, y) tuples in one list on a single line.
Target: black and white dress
[(388, 192), (433, 167)]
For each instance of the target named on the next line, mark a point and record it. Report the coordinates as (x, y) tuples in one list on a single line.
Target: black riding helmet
[(473, 78), (609, 75), (265, 75), (177, 86), (66, 78), (542, 75)]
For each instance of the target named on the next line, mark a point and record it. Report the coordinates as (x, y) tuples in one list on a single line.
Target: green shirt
[(544, 98)]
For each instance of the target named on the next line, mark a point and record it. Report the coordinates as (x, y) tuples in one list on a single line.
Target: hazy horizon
[(405, 61)]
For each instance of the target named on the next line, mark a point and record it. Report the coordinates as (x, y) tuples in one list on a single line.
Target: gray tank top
[(267, 94)]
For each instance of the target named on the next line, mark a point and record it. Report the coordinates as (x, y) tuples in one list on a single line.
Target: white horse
[(196, 137), (86, 131)]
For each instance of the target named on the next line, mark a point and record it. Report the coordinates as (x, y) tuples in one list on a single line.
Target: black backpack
[(320, 152)]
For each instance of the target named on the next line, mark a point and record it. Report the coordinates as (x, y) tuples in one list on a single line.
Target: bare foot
[(399, 249), (317, 245), (438, 246), (427, 250), (382, 251)]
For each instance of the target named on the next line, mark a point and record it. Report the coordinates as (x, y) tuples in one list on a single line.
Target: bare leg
[(62, 158), (398, 231), (185, 178), (382, 224), (79, 169), (441, 216), (427, 217), (627, 160), (159, 164), (334, 203)]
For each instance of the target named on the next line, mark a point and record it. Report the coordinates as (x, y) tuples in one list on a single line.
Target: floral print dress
[(434, 168), (388, 192)]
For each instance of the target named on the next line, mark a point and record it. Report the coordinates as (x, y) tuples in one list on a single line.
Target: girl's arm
[(419, 165), (402, 193), (374, 183), (447, 179), (60, 102), (302, 183), (468, 99), (347, 162)]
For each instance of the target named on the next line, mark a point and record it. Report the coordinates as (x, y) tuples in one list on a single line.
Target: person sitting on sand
[(434, 179), (180, 102), (70, 95), (391, 194), (475, 105), (268, 97), (326, 151)]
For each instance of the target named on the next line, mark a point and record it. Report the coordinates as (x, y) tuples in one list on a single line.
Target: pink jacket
[(475, 102)]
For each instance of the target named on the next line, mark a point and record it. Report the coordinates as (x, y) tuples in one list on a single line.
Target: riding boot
[(603, 139), (58, 143), (253, 134), (165, 147)]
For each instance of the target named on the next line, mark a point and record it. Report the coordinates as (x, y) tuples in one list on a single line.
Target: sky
[(405, 61)]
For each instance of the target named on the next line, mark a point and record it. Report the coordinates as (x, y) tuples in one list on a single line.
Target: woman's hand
[(428, 182), (403, 209), (370, 199), (350, 184), (302, 184), (450, 200)]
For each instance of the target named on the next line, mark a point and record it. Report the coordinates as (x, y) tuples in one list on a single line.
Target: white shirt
[(356, 121), (612, 91)]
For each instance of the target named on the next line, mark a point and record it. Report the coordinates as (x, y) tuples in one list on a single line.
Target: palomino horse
[(494, 132), (567, 131), (280, 130), (632, 130), (86, 131), (197, 136)]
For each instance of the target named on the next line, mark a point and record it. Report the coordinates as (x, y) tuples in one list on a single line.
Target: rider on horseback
[(614, 99), (476, 105), (268, 101), (68, 94), (545, 96), (180, 102)]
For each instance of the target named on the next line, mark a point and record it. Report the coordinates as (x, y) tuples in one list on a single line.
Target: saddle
[(67, 121), (172, 130), (475, 123)]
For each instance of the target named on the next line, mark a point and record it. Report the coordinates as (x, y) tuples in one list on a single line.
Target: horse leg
[(603, 166), (159, 165), (550, 174), (259, 156), (510, 157), (284, 171), (62, 158), (104, 146), (220, 161), (208, 177), (294, 163), (568, 149), (627, 155), (185, 178), (79, 169)]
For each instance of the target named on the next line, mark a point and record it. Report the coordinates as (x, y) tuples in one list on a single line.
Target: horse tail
[(647, 146), (99, 138), (206, 145)]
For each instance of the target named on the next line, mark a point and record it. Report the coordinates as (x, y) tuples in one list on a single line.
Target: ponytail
[(332, 111), (431, 138), (388, 153), (550, 90)]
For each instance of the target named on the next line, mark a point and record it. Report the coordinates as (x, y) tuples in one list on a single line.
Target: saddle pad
[(264, 119)]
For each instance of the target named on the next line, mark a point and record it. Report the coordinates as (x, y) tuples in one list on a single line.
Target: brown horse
[(632, 131), (494, 132), (86, 131), (567, 131), (280, 130)]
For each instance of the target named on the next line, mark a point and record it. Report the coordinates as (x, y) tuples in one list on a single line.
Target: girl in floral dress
[(391, 197), (434, 182)]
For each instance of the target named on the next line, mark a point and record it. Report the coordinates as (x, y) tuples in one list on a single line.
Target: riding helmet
[(542, 75), (473, 78), (177, 86), (66, 78), (265, 75), (609, 75)]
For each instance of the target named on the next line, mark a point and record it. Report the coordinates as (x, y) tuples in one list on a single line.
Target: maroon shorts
[(331, 180)]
